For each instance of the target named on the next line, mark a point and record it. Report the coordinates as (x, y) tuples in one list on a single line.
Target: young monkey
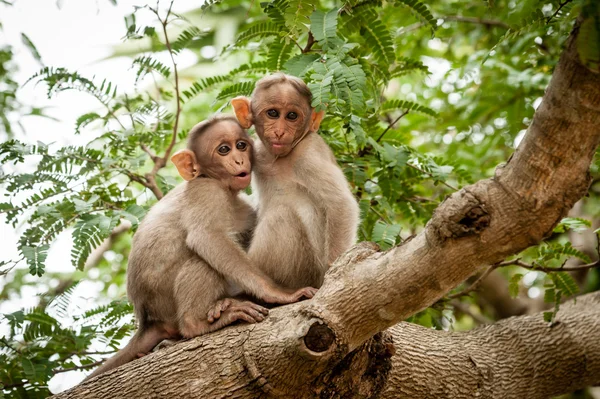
[(185, 256), (307, 215)]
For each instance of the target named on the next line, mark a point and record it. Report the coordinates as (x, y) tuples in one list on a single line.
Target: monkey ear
[(187, 166), (241, 107), (315, 120)]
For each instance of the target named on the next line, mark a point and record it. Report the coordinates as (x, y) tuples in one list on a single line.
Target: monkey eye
[(273, 113), (224, 149), (292, 116), (241, 145)]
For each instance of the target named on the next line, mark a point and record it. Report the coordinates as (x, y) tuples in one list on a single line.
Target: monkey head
[(281, 112), (219, 149)]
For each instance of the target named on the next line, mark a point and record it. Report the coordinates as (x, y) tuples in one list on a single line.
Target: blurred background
[(421, 100)]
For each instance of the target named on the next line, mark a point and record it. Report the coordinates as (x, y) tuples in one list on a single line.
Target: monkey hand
[(283, 297), (240, 310)]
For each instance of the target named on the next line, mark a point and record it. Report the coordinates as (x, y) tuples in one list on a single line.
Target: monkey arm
[(329, 189), (218, 248)]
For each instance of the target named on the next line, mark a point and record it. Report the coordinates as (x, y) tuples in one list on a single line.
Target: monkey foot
[(237, 310)]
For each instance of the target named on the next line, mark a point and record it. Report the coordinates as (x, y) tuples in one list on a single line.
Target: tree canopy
[(421, 99)]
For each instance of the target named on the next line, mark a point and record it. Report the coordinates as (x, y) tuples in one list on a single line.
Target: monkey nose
[(239, 161)]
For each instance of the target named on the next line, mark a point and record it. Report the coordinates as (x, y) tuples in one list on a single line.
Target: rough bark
[(301, 351), (519, 357)]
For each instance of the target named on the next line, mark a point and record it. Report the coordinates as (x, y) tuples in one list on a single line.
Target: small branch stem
[(473, 20), (310, 42), (431, 175), (391, 125)]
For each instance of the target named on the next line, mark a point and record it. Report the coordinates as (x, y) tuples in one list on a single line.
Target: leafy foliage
[(411, 118)]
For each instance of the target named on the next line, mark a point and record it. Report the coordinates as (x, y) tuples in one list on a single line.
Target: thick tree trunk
[(301, 351)]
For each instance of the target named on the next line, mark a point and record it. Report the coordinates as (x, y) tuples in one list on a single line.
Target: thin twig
[(463, 308), (473, 20), (160, 162), (545, 269), (82, 367), (560, 6), (392, 125), (310, 42), (476, 283), (431, 175)]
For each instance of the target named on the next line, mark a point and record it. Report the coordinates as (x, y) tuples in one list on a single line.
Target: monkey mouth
[(243, 174)]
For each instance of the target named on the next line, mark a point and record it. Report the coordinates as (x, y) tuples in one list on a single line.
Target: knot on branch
[(362, 373), (461, 215), (475, 220), (319, 338)]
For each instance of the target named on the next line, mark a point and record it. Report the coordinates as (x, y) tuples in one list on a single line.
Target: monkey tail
[(142, 342)]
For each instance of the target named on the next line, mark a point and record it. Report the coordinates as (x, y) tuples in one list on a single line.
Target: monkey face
[(281, 116), (222, 152), (227, 151)]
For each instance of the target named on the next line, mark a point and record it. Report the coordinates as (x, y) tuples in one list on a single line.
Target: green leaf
[(85, 120), (588, 40), (565, 283), (297, 15), (34, 51), (550, 295), (324, 26), (548, 317), (135, 214), (185, 38), (276, 10), (278, 54), (88, 234), (385, 234), (392, 105), (574, 224), (422, 12), (259, 30), (147, 64), (513, 285), (33, 372), (299, 64), (238, 89), (36, 258), (321, 91)]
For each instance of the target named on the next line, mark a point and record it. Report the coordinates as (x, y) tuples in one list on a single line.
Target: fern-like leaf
[(421, 11), (88, 234), (299, 64), (276, 11), (238, 89), (147, 64), (185, 38), (279, 53), (259, 30), (392, 105), (297, 16), (202, 85), (324, 26)]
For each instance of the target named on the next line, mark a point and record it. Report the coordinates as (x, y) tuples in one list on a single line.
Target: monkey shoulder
[(210, 194), (208, 201)]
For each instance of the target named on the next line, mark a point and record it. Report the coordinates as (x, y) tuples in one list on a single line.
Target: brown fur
[(307, 214), (186, 255)]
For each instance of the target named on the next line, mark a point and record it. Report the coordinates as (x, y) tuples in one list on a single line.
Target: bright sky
[(78, 36)]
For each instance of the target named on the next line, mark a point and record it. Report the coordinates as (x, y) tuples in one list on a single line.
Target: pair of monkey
[(188, 258)]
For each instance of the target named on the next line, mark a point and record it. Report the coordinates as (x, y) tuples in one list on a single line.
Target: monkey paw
[(237, 310)]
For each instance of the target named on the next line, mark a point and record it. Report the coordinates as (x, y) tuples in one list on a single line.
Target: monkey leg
[(198, 287), (241, 312), (252, 309)]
